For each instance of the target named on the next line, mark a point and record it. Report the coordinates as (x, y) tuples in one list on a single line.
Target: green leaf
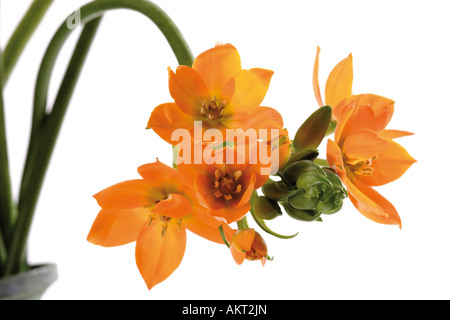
[(313, 130)]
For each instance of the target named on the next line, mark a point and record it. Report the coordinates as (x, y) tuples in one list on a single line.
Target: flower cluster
[(228, 147)]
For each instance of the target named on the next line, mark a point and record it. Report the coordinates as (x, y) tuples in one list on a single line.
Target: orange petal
[(188, 172), (166, 118), (381, 111), (316, 87), (230, 214), (247, 181), (339, 82), (217, 65), (263, 118), (204, 185), (245, 91), (392, 134), (334, 159), (127, 195), (345, 124), (175, 206), (157, 256), (200, 223), (161, 175), (188, 90), (372, 205), (363, 144), (389, 165), (117, 227), (238, 255), (243, 239)]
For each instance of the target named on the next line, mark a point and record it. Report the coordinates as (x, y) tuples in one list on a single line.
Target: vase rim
[(31, 282)]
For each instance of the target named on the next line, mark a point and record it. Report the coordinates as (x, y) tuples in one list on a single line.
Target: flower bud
[(294, 170), (313, 130), (266, 209), (332, 199), (302, 215), (319, 190), (302, 155), (248, 244), (277, 190)]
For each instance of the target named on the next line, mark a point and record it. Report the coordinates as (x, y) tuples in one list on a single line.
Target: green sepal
[(311, 178), (294, 170), (277, 190), (302, 215), (265, 208), (313, 130), (303, 202), (337, 207), (302, 155), (335, 180)]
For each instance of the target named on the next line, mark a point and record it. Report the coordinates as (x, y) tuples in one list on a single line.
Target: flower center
[(254, 255), (165, 222), (213, 109), (362, 167), (227, 185)]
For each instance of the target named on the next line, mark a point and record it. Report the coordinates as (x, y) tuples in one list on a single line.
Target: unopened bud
[(294, 170), (277, 190), (265, 208)]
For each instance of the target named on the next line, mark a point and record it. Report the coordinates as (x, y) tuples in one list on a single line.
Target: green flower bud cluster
[(305, 192)]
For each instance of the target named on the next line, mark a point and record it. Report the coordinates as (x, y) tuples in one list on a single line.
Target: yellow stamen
[(213, 109)]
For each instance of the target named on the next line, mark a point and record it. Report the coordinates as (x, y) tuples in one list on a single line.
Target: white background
[(400, 50)]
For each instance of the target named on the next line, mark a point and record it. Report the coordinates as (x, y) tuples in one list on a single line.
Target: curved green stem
[(45, 127), (42, 152), (243, 224), (23, 33), (85, 14)]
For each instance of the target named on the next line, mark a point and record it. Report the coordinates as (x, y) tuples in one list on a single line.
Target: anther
[(227, 196), (237, 175)]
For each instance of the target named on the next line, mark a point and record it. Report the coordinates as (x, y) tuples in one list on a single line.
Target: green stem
[(45, 127), (222, 235), (42, 156), (23, 33), (85, 14), (243, 224), (6, 203)]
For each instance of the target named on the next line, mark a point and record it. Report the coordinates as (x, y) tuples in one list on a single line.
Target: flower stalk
[(46, 126), (6, 203), (22, 34)]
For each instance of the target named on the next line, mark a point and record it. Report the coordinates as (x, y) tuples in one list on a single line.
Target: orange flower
[(217, 92), (224, 181), (155, 212), (338, 86), (364, 154), (248, 244)]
